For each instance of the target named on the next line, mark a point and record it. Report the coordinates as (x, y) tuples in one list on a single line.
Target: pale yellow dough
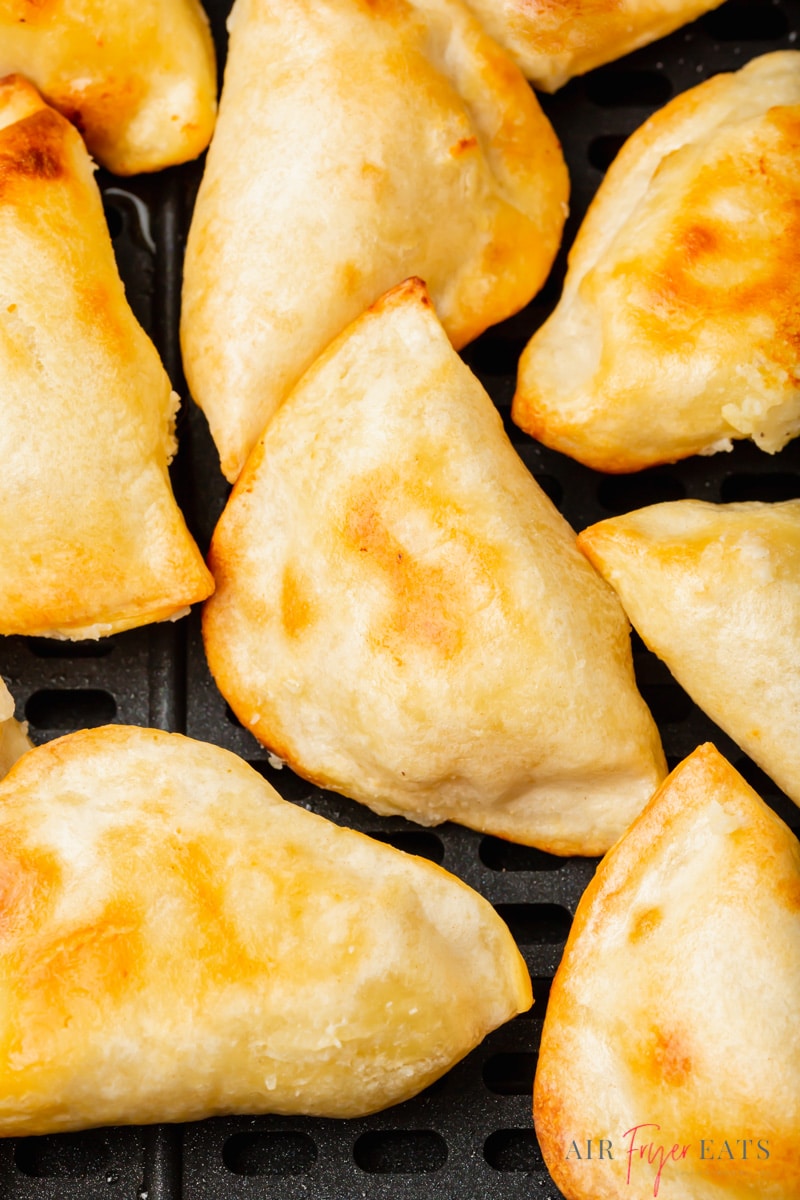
[(552, 40), (137, 77), (714, 590), (91, 540), (177, 941), (675, 1005), (357, 144), (14, 739), (403, 616), (678, 330)]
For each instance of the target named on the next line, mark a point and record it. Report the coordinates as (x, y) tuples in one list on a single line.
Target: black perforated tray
[(470, 1135)]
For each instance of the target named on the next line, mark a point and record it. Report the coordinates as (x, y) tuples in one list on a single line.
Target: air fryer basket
[(470, 1135)]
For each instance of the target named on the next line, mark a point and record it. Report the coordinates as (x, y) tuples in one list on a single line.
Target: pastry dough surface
[(13, 734), (357, 144), (714, 590), (91, 540), (675, 1004), (678, 328), (403, 616), (177, 941), (137, 77), (552, 40)]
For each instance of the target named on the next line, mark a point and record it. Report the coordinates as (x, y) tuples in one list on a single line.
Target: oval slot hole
[(63, 1155), (507, 856), (618, 88), (551, 487), (400, 1152), (413, 841), (604, 149), (740, 21), (536, 924), (619, 494), (779, 486), (75, 708), (277, 1152), (513, 1150), (55, 648), (510, 1074)]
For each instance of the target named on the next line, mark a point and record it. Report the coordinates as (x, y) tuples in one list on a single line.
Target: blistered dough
[(402, 615), (177, 942), (678, 330), (552, 40), (137, 77), (714, 590), (91, 540), (357, 144), (672, 1020)]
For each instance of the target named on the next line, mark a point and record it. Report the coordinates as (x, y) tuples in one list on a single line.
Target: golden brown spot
[(68, 977), (98, 958), (298, 610), (32, 148), (670, 1057), (25, 11), (562, 23), (352, 278), (734, 251), (425, 607), (462, 145), (789, 893), (28, 881), (697, 240), (644, 923), (201, 874)]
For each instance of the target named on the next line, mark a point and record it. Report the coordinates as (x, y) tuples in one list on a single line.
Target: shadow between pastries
[(678, 328), (714, 590), (91, 539), (357, 144), (403, 616), (553, 40), (137, 77), (672, 1020), (179, 942)]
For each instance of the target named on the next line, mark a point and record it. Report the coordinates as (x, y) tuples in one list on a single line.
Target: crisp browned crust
[(678, 330), (392, 139), (91, 539), (177, 942), (713, 590), (552, 40), (402, 615), (674, 1004), (137, 78)]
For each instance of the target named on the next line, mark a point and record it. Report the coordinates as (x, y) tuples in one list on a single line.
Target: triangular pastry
[(137, 77), (14, 740), (714, 590), (177, 942), (357, 144), (402, 615), (671, 1032), (677, 329), (91, 540), (553, 40)]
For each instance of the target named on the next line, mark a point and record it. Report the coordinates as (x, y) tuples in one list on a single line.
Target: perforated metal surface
[(470, 1135)]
